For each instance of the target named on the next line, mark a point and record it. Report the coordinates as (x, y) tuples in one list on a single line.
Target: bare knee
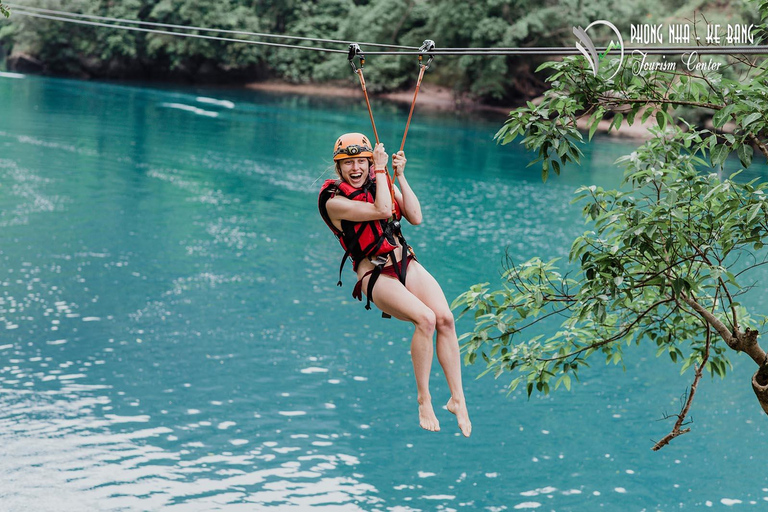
[(444, 321), (425, 321)]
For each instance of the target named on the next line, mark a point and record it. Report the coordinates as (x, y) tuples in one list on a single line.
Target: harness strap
[(403, 269), (341, 267), (375, 273), (354, 247)]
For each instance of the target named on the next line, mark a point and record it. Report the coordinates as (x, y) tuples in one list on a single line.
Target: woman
[(359, 209)]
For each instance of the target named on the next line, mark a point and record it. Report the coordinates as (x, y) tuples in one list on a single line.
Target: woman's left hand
[(398, 163)]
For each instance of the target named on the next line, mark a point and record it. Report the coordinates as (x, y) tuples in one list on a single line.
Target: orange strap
[(359, 72), (413, 104)]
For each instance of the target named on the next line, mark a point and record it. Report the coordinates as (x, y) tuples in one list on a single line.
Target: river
[(172, 336)]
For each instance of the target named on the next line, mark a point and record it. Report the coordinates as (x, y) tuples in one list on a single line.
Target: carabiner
[(427, 46), (355, 51)]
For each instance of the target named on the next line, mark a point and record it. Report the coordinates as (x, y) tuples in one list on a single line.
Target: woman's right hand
[(380, 157)]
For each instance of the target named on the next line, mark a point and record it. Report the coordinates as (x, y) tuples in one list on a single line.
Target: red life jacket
[(360, 240)]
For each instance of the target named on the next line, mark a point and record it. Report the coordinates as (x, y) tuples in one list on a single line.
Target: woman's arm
[(408, 201), (340, 207)]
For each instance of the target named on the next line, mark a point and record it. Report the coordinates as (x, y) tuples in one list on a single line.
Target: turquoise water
[(171, 336)]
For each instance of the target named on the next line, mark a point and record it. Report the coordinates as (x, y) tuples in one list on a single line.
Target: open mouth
[(356, 175)]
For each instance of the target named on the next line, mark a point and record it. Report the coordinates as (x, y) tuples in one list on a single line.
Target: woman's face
[(354, 170)]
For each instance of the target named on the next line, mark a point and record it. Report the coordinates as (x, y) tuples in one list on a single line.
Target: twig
[(606, 341), (759, 144), (677, 430)]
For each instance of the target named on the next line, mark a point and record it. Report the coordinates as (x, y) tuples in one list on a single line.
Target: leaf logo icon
[(590, 52)]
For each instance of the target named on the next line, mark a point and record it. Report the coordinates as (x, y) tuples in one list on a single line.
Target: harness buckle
[(355, 51)]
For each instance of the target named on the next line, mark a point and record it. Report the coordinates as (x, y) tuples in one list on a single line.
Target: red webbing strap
[(359, 72), (413, 104), (410, 114)]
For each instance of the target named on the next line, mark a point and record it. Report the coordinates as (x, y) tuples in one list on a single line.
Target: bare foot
[(427, 418), (459, 408)]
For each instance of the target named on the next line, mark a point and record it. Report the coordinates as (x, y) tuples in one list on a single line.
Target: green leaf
[(745, 152), (631, 117), (545, 65), (646, 114), (661, 119), (617, 119), (751, 118), (723, 115), (718, 155), (753, 212)]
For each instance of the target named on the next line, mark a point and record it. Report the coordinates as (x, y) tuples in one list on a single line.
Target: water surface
[(172, 337)]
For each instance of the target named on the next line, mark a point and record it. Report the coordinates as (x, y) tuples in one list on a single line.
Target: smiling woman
[(363, 209)]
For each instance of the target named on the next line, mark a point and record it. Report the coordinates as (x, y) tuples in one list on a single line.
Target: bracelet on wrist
[(379, 171)]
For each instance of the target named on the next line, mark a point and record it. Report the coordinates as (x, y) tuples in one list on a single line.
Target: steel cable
[(408, 50)]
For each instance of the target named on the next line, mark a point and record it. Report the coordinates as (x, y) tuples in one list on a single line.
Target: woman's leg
[(393, 298), (426, 288)]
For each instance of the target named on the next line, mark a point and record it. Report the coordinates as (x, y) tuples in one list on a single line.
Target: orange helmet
[(352, 145)]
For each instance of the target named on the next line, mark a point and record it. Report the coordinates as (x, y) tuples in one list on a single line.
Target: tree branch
[(739, 341), (759, 144), (712, 320), (722, 283), (516, 330), (676, 429), (663, 101), (615, 337)]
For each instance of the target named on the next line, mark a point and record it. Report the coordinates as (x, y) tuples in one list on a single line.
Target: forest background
[(64, 49)]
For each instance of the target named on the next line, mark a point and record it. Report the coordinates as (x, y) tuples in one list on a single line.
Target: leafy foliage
[(97, 51), (666, 256), (550, 128), (192, 54), (673, 237)]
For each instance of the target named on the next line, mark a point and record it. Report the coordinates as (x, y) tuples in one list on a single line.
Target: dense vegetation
[(667, 259), (88, 51)]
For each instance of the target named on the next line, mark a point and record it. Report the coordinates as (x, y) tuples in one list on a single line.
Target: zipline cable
[(180, 34), (203, 29), (599, 49), (408, 50), (704, 50)]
